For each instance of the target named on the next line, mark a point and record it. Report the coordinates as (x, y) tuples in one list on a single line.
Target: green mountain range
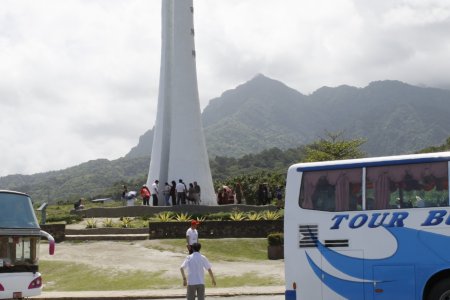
[(394, 117)]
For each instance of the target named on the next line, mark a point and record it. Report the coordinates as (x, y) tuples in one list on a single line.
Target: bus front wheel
[(440, 290)]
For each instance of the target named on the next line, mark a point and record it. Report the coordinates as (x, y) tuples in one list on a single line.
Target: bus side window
[(331, 190), (407, 186), (323, 196)]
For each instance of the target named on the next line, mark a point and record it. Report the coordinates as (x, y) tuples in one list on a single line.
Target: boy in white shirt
[(196, 264)]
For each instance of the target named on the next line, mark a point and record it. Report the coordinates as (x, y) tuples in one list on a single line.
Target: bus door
[(394, 282), (336, 283)]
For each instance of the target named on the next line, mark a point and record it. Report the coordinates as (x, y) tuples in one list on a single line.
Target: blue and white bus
[(372, 228), (20, 236)]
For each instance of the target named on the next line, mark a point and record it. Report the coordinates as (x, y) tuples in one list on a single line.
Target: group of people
[(265, 196), (180, 194), (226, 195), (184, 194), (146, 194), (172, 194)]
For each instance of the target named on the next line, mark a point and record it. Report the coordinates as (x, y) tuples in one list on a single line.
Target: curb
[(107, 237), (160, 294)]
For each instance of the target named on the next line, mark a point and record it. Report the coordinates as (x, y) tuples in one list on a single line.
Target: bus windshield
[(16, 211), (18, 253)]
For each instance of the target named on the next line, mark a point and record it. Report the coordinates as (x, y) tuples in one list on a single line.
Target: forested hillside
[(262, 113), (94, 179), (103, 178), (263, 126)]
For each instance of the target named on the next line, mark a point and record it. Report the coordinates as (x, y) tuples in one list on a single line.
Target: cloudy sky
[(79, 78)]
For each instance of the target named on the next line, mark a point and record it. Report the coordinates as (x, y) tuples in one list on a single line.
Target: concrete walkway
[(161, 294)]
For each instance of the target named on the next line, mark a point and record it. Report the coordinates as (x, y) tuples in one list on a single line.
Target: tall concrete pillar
[(179, 150)]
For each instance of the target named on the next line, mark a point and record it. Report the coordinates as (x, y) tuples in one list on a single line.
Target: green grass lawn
[(223, 249), (68, 276), (62, 276)]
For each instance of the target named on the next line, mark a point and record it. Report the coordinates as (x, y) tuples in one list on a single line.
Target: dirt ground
[(143, 255)]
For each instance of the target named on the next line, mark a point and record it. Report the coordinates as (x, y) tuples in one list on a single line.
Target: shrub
[(91, 223), (201, 218), (183, 217), (254, 216), (198, 216), (164, 216), (237, 216), (145, 218), (275, 239), (125, 222), (221, 216), (108, 223), (271, 215)]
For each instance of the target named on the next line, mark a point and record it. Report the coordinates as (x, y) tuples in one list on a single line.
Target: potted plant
[(275, 248)]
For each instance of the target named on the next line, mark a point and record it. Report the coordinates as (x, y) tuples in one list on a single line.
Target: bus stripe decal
[(431, 247), (346, 288)]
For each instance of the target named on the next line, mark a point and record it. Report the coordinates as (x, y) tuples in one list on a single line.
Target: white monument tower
[(179, 150)]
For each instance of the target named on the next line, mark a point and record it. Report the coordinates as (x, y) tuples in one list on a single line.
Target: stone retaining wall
[(216, 229), (141, 211), (106, 230), (175, 230), (58, 231)]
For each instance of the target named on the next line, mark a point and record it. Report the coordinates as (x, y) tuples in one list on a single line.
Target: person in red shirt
[(145, 194)]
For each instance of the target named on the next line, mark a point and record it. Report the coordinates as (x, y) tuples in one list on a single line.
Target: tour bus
[(20, 235), (371, 228)]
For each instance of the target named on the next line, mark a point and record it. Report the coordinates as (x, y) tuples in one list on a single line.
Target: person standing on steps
[(181, 192), (197, 192), (145, 194), (124, 195), (155, 192), (173, 193), (166, 193)]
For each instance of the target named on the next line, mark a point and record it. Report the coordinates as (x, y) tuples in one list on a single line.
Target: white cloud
[(80, 77)]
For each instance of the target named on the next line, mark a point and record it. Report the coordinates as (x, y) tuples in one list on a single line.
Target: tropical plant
[(108, 222), (254, 216), (164, 216), (271, 215), (237, 215), (125, 222), (201, 218), (183, 217), (91, 223)]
